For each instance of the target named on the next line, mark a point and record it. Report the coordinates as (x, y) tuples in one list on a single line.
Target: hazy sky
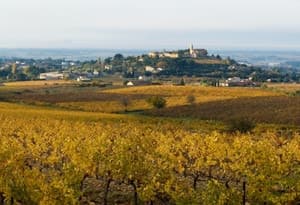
[(261, 24)]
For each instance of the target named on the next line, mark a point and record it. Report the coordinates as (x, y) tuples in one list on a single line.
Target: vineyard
[(74, 145)]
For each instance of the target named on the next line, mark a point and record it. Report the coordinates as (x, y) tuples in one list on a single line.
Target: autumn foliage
[(52, 159), (50, 155)]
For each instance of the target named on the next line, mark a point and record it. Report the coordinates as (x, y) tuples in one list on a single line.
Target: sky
[(155, 24)]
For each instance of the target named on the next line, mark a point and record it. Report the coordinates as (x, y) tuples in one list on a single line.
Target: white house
[(107, 67), (150, 69), (51, 76), (96, 73), (130, 83), (234, 80), (83, 79)]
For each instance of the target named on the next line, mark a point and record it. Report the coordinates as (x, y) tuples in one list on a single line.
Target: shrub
[(182, 82), (294, 94), (157, 102), (190, 99), (242, 125), (264, 86), (125, 101)]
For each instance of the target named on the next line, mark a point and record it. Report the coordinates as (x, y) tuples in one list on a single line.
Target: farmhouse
[(138, 83), (150, 69), (83, 79), (129, 83), (144, 78), (51, 76)]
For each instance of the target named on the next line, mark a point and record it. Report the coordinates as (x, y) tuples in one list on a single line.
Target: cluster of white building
[(237, 81), (153, 70), (81, 77)]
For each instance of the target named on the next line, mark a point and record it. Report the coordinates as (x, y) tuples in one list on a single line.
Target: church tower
[(193, 53), (191, 49)]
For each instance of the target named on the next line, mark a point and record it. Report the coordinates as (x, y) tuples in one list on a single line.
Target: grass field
[(211, 103), (285, 87), (37, 83), (271, 109)]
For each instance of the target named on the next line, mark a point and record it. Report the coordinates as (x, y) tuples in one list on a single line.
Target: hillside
[(59, 147), (157, 66)]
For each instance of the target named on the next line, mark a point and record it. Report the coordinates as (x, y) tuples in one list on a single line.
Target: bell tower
[(191, 49)]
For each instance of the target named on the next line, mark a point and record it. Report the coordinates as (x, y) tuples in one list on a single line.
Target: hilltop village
[(191, 65), (189, 53)]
